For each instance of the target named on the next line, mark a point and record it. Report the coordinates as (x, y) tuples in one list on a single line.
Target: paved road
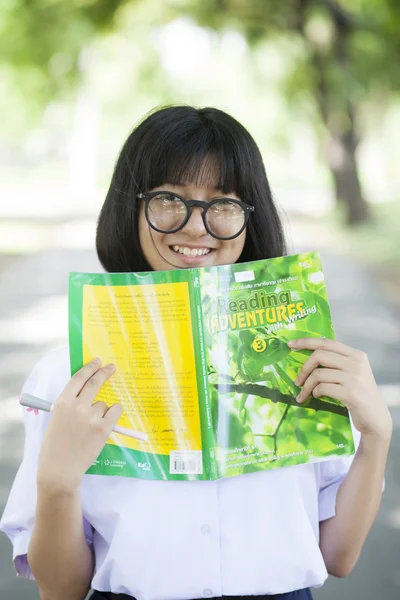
[(33, 321)]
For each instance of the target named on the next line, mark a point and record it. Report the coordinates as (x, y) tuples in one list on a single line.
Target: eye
[(166, 199), (226, 206), (274, 344)]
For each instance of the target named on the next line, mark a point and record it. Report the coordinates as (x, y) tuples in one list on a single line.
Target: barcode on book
[(185, 462)]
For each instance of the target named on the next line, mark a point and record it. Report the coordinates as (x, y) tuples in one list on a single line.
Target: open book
[(204, 371)]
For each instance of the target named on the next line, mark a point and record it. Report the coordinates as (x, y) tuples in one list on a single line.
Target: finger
[(112, 416), (318, 377), (93, 385), (332, 390), (79, 379), (322, 344), (99, 408), (321, 358)]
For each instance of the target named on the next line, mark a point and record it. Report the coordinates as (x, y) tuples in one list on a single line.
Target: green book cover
[(204, 372)]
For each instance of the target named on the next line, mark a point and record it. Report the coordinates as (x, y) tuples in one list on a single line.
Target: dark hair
[(178, 145)]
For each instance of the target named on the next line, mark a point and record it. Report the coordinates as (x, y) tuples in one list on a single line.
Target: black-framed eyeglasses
[(223, 218)]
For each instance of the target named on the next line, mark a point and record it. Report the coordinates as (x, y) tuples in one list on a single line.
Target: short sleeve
[(18, 517), (332, 473)]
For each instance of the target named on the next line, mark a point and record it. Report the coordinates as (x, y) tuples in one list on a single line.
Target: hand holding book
[(77, 431), (347, 376), (40, 404)]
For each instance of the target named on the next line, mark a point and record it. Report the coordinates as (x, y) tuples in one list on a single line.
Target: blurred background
[(316, 82)]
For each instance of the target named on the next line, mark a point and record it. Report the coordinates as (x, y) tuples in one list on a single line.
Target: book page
[(251, 311), (146, 331)]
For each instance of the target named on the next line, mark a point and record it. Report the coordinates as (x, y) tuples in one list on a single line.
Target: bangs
[(202, 157)]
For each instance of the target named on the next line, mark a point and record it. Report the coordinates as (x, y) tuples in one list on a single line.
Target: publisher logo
[(145, 466), (116, 464), (307, 264)]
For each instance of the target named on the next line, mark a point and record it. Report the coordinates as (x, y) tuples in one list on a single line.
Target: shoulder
[(50, 375)]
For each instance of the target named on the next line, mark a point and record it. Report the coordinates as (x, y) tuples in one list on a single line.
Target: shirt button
[(205, 529), (207, 593)]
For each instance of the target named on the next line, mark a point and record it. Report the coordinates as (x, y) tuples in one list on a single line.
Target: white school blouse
[(174, 540)]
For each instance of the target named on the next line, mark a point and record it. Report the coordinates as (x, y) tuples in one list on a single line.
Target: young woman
[(189, 188)]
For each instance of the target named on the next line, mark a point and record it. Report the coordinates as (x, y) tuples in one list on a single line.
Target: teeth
[(191, 251)]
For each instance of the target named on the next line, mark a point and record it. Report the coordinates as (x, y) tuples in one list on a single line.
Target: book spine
[(207, 429)]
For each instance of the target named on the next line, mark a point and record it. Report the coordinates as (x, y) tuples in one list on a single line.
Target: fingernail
[(110, 366), (296, 381), (96, 361), (292, 343), (297, 399)]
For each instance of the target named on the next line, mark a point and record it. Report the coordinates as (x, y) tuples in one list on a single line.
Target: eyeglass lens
[(167, 212)]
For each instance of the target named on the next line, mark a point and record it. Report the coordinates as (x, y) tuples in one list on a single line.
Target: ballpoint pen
[(40, 404)]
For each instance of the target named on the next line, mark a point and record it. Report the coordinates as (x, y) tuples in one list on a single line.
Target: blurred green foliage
[(34, 31), (341, 61), (41, 42), (343, 52), (351, 47), (357, 40)]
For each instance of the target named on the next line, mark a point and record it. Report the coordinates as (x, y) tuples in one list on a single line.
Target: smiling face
[(191, 246)]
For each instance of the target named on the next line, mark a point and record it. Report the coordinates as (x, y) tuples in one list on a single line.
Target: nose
[(195, 225)]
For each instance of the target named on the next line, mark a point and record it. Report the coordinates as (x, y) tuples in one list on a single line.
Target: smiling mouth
[(186, 251)]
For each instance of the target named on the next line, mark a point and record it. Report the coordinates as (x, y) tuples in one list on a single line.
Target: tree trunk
[(334, 102), (341, 150), (342, 163)]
